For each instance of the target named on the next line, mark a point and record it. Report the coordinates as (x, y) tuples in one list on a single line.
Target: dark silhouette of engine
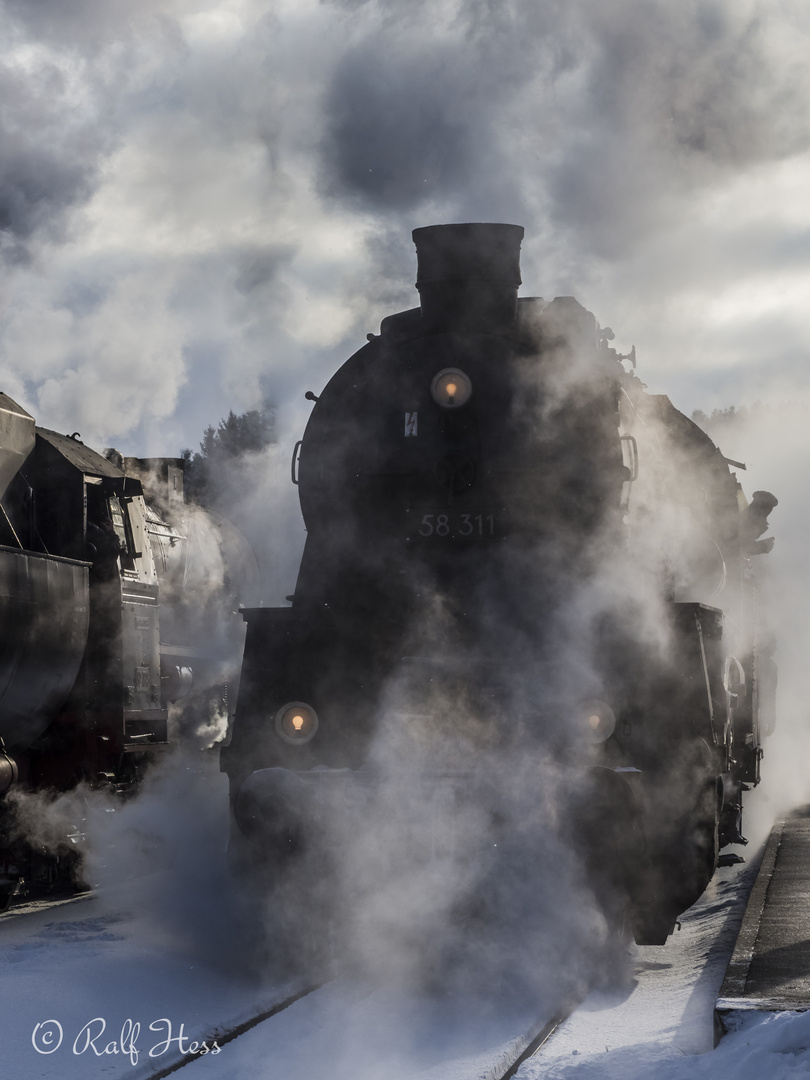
[(113, 606), (513, 549)]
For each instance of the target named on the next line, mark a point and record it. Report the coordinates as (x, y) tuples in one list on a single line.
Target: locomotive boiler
[(513, 552), (113, 607)]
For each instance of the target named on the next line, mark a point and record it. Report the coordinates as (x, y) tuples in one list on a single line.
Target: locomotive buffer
[(769, 969)]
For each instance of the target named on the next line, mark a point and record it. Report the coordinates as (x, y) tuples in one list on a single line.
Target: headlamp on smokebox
[(451, 388), (598, 719), (296, 722)]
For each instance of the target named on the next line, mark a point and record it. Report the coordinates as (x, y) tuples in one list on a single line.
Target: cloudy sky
[(207, 204)]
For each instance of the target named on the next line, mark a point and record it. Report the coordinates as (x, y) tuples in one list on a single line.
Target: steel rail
[(535, 1043), (32, 906), (223, 1038)]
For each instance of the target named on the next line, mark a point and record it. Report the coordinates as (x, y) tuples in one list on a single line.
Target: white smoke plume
[(208, 201), (772, 441), (161, 854)]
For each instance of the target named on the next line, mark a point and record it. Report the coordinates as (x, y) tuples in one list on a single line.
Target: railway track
[(535, 1043), (222, 1038), (521, 1040), (668, 999), (503, 1064), (523, 1047), (33, 906)]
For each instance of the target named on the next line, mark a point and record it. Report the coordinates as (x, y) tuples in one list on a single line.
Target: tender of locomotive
[(112, 608), (504, 528)]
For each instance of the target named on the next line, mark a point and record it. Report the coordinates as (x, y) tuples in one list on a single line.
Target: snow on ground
[(73, 978), (668, 1008), (663, 1025), (152, 946), (158, 950), (771, 1046)]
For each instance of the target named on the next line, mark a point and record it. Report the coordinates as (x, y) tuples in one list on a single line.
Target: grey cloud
[(418, 111), (597, 125), (678, 98), (67, 68), (48, 160), (256, 268), (394, 135), (83, 24), (35, 184), (612, 115), (390, 252)]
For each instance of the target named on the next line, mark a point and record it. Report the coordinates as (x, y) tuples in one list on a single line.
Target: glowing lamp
[(296, 722), (598, 718), (451, 388)]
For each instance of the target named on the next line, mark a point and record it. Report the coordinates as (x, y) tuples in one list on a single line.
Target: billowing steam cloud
[(168, 845), (210, 200)]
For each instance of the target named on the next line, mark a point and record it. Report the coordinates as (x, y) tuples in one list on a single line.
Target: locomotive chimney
[(468, 275)]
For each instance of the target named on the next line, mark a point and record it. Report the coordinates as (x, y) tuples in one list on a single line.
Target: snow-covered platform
[(769, 969)]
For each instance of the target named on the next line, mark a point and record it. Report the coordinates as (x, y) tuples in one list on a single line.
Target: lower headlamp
[(598, 719), (296, 722)]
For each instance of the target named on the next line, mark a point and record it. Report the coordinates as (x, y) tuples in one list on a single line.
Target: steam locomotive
[(513, 553), (113, 607)]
